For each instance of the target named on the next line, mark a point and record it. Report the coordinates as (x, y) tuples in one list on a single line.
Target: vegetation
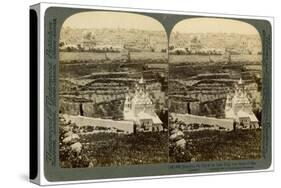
[(213, 145), (112, 149), (115, 149)]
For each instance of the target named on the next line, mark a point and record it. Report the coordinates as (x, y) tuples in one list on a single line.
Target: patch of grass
[(212, 145), (111, 149)]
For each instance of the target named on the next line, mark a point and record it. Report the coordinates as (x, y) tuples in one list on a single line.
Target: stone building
[(239, 107), (139, 108)]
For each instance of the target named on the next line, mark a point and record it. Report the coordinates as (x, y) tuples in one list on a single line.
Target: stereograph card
[(121, 94)]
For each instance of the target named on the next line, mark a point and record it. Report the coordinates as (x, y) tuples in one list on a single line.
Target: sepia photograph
[(128, 96), (215, 81), (113, 85)]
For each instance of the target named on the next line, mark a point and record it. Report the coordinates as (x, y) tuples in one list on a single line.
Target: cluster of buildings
[(112, 40), (199, 50), (214, 44)]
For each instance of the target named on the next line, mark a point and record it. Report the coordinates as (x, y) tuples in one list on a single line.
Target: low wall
[(127, 126), (190, 119)]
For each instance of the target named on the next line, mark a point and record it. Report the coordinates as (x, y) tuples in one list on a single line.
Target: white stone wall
[(127, 126), (191, 119)]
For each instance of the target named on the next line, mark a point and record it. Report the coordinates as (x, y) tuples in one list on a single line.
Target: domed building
[(139, 108), (239, 107)]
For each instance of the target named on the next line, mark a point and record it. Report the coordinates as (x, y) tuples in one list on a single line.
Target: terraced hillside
[(95, 88), (201, 89)]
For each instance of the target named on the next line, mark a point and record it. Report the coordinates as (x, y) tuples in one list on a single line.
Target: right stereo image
[(215, 86)]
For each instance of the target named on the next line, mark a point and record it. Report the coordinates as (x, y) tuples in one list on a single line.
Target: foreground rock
[(177, 137), (71, 138), (76, 148)]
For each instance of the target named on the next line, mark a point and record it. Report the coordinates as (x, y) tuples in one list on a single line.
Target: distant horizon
[(221, 32), (128, 21), (113, 28)]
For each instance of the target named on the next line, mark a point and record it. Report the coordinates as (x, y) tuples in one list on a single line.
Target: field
[(111, 149), (211, 145)]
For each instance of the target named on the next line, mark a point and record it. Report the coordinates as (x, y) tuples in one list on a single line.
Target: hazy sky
[(112, 20), (214, 25)]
